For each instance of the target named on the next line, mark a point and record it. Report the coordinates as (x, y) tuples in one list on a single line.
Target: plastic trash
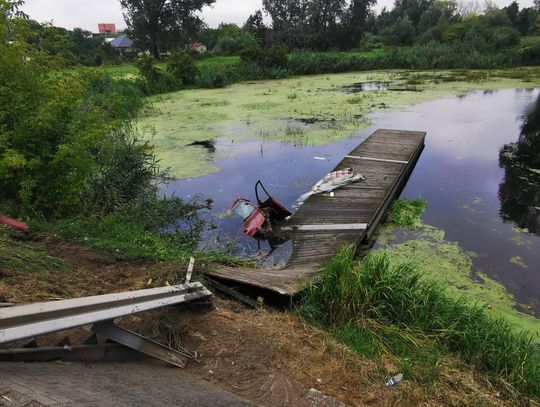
[(394, 381), (333, 181)]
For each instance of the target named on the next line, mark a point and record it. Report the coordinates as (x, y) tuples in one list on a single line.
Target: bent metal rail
[(34, 320), (327, 222)]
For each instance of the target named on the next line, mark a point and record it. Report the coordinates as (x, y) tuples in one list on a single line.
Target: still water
[(480, 173)]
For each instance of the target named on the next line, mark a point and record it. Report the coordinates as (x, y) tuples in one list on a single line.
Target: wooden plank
[(333, 226), (233, 293), (376, 159), (319, 228)]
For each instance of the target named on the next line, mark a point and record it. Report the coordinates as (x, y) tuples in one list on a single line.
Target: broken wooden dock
[(327, 222)]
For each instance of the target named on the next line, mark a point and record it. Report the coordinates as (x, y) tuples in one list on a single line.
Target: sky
[(87, 14)]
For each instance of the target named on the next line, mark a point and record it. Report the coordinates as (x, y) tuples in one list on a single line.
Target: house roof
[(196, 44), (122, 42)]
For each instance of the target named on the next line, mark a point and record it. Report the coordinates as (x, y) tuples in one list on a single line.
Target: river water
[(487, 201)]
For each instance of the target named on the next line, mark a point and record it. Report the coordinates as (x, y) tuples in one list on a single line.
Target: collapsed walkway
[(327, 222)]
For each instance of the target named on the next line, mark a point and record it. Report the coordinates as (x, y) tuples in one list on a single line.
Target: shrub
[(155, 80), (146, 64), (181, 66), (211, 78), (529, 54), (275, 57), (65, 146), (127, 171)]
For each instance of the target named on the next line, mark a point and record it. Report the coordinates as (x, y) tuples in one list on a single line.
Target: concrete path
[(118, 385)]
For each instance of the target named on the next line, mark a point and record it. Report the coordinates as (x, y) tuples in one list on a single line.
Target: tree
[(358, 13), (286, 13), (255, 26), (512, 11), (403, 32), (289, 22), (411, 9), (522, 21), (519, 190), (313, 24), (9, 9), (467, 8), (156, 24), (325, 14), (437, 12)]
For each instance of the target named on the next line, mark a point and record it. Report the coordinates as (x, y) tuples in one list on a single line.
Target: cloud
[(233, 11), (88, 13)]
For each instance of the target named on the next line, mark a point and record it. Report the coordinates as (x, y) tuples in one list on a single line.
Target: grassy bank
[(230, 69), (16, 257), (407, 238), (377, 307), (215, 62)]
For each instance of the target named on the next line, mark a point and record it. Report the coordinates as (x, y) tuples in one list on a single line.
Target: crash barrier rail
[(30, 321)]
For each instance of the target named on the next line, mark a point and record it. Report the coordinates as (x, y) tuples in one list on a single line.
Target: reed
[(374, 304)]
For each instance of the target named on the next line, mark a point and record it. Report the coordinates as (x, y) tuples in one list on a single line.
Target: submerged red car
[(258, 219)]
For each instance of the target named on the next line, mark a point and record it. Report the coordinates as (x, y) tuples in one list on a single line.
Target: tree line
[(162, 26), (320, 25)]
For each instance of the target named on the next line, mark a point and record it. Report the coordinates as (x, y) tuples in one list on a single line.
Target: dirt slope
[(265, 356)]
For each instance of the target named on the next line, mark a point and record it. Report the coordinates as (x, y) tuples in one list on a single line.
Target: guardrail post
[(137, 342)]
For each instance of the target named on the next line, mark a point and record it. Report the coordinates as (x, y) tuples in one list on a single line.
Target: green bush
[(210, 78), (65, 145), (273, 58), (128, 169), (155, 80), (529, 53), (504, 37), (181, 66)]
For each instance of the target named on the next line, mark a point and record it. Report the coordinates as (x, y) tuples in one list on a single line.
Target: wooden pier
[(327, 222)]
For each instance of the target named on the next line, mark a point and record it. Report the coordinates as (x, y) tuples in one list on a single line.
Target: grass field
[(221, 61), (217, 61)]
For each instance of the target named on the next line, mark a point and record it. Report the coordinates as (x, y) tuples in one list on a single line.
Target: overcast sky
[(88, 13)]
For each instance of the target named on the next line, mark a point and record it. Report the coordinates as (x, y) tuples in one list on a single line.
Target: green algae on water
[(408, 213), (304, 111), (447, 263), (519, 261)]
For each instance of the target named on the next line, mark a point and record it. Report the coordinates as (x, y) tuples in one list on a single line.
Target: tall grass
[(18, 258), (375, 293), (151, 230)]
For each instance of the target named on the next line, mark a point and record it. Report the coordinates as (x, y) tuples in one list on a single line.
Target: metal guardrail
[(33, 320)]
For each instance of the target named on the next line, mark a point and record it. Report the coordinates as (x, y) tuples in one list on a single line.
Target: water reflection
[(459, 174), (520, 191)]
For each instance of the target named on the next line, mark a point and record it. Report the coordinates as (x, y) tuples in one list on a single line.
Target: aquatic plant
[(407, 213)]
